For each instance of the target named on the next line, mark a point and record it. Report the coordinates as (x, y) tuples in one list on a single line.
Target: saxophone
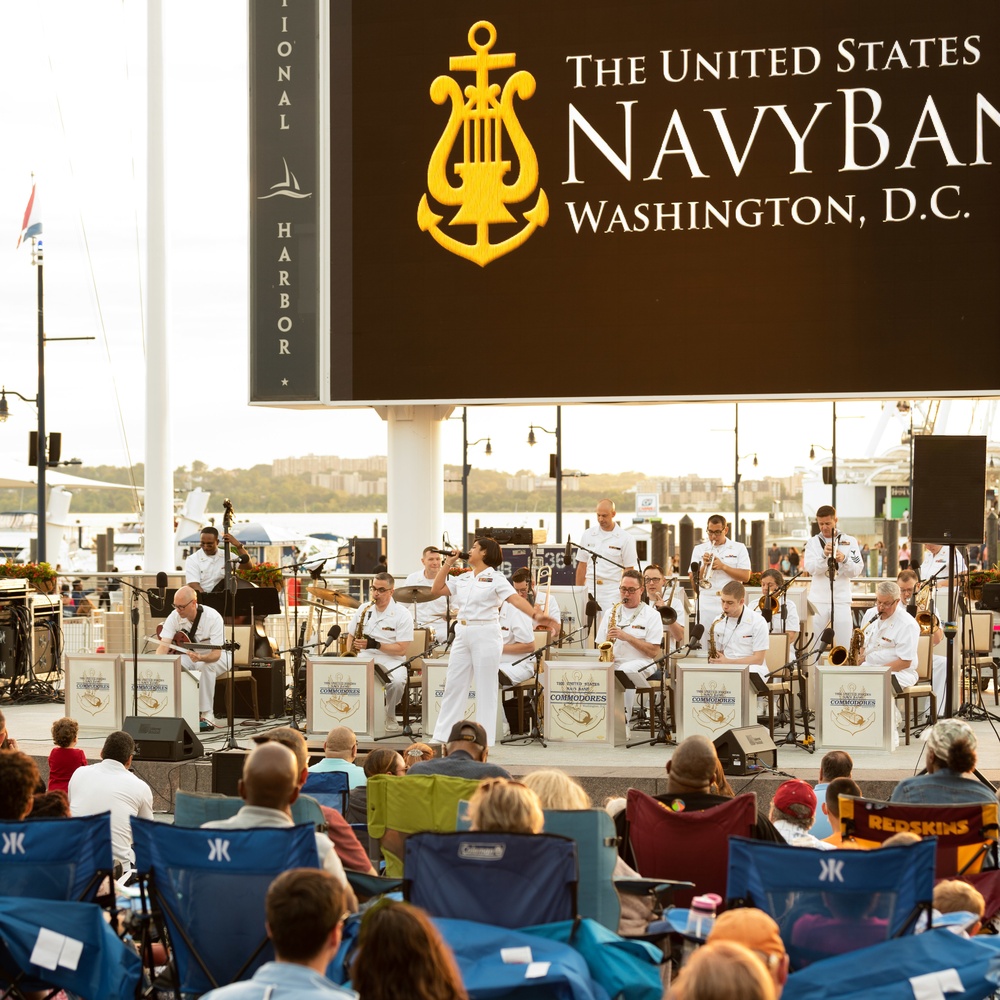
[(607, 654), (713, 652), (360, 630), (841, 657)]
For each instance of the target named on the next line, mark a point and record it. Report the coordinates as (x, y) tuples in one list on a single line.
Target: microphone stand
[(594, 556), (807, 743), (134, 617), (832, 569), (229, 605), (407, 728), (662, 736)]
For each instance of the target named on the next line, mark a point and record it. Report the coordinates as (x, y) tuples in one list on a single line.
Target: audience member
[(831, 810), (268, 788), (415, 753), (951, 765), (847, 925), (345, 841), (724, 970), (501, 805), (465, 755), (402, 956), (902, 839), (341, 752), (65, 757), (758, 931), (952, 895), (720, 783), (835, 764), (110, 784), (381, 761), (793, 810), (49, 805), (18, 778), (7, 742), (304, 912)]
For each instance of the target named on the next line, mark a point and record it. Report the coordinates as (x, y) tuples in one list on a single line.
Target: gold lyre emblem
[(481, 115)]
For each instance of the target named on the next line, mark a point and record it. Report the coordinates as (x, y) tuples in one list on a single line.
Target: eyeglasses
[(629, 590), (652, 579), (181, 607), (882, 605), (716, 531), (380, 590)]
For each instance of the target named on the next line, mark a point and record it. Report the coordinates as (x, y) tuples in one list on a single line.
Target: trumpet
[(705, 580)]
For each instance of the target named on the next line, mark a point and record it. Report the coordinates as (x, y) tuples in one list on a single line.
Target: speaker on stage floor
[(949, 489), (739, 749), (162, 739), (269, 676)]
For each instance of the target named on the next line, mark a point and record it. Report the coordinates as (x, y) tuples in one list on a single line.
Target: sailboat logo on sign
[(481, 120)]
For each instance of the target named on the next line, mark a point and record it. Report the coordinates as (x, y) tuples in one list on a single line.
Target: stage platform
[(603, 771)]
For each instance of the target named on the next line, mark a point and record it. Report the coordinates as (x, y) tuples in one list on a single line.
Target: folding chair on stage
[(328, 788), (398, 807), (504, 879), (831, 902), (206, 889), (686, 846)]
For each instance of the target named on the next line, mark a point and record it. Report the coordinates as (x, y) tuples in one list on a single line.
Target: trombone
[(544, 576)]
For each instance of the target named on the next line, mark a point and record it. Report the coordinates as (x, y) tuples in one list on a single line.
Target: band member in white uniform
[(908, 583), (891, 637), (517, 631), (431, 615), (830, 543), (721, 561), (539, 598), (200, 624), (205, 568), (936, 559), (771, 580), (475, 653), (387, 631), (739, 633), (637, 634), (659, 598), (606, 539)]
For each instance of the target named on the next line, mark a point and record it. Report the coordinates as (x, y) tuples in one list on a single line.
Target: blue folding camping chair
[(832, 902), (328, 788), (504, 879), (205, 889)]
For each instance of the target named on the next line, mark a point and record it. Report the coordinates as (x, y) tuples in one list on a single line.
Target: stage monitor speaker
[(269, 675), (227, 769), (162, 739), (366, 555), (949, 489), (740, 750)]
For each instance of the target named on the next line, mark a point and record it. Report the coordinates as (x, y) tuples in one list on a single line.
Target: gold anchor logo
[(482, 195)]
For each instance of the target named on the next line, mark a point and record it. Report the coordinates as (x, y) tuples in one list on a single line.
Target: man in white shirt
[(615, 549), (822, 551), (110, 785), (935, 561), (637, 634), (387, 632), (740, 634), (205, 567), (654, 581), (720, 561), (518, 633), (199, 624), (891, 637), (431, 615)]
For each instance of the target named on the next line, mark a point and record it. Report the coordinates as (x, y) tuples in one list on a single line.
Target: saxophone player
[(386, 629), (637, 632), (654, 582), (739, 634), (721, 561)]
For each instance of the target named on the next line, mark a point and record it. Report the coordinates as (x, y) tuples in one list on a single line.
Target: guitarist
[(197, 624), (205, 567)]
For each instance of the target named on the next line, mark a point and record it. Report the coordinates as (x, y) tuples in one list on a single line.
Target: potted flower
[(263, 575), (41, 576), (979, 577)]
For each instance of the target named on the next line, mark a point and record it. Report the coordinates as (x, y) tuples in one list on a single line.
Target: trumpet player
[(637, 632), (608, 540), (721, 561), (832, 555), (786, 618), (386, 630), (654, 582), (739, 634), (908, 582)]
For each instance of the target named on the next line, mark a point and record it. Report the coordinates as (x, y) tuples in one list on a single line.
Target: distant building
[(327, 463)]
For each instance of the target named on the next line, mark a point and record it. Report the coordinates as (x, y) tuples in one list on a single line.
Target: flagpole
[(41, 451)]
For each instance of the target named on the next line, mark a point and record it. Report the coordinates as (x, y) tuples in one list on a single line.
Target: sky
[(74, 114)]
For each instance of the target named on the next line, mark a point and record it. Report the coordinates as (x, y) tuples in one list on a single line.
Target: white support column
[(415, 482)]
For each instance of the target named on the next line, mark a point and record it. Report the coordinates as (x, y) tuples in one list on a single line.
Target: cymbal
[(334, 597), (412, 595)]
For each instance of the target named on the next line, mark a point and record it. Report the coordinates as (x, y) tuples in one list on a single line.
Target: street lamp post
[(833, 459), (466, 443), (736, 481), (558, 469)]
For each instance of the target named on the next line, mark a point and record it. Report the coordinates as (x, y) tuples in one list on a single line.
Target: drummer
[(431, 615)]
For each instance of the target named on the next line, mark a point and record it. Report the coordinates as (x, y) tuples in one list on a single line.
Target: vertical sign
[(284, 201)]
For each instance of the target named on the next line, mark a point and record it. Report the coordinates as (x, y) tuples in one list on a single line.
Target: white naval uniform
[(815, 562), (619, 546), (734, 555), (431, 615), (644, 623), (930, 565), (211, 630), (207, 571), (742, 636), (389, 626), (475, 653), (791, 622), (895, 638), (516, 626)]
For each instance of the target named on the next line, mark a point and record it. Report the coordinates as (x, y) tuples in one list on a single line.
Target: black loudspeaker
[(227, 769), (366, 554), (162, 739), (739, 749), (949, 489), (270, 677)]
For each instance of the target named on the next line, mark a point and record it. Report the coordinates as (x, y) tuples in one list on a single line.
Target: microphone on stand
[(568, 554), (158, 597), (331, 637), (765, 612), (697, 631)]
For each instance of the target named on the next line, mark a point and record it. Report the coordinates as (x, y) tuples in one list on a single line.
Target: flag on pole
[(31, 226)]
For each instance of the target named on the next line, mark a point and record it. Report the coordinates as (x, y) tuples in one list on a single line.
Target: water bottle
[(701, 916)]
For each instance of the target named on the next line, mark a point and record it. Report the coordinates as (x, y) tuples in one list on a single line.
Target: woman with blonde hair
[(724, 970), (500, 805)]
